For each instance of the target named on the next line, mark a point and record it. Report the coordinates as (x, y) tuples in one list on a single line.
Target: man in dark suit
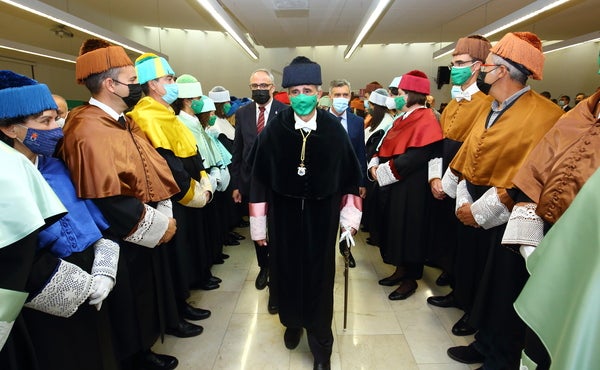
[(249, 121), (339, 92)]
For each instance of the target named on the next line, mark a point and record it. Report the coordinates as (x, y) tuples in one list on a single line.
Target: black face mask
[(483, 86), (135, 94), (261, 96)]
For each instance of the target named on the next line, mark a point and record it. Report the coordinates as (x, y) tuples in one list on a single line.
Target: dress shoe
[(291, 337), (214, 279), (322, 365), (192, 313), (442, 300), (262, 279), (443, 279), (149, 360), (462, 327), (224, 256), (209, 285), (391, 280), (465, 354), (273, 306), (405, 290), (351, 261), (236, 236), (185, 330), (230, 241)]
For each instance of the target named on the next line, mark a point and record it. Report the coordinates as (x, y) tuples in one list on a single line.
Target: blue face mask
[(172, 90), (42, 142), (340, 104)]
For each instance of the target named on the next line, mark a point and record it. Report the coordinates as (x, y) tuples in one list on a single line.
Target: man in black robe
[(305, 179)]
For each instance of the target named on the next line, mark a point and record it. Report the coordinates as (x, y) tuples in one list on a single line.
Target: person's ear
[(9, 131)]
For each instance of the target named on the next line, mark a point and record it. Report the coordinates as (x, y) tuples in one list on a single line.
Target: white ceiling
[(324, 22)]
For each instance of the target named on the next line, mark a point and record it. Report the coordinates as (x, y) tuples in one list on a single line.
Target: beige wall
[(215, 59)]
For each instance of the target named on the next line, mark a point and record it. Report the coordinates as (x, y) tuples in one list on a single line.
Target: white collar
[(310, 125), (108, 110)]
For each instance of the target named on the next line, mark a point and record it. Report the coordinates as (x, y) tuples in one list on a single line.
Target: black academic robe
[(303, 211)]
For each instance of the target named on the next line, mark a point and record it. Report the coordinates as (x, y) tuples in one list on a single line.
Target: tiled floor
[(381, 334)]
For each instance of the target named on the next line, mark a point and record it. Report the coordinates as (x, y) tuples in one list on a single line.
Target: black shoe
[(291, 337), (462, 327), (209, 285), (442, 300), (149, 360), (214, 279), (465, 354), (185, 330), (405, 290), (443, 279), (390, 281), (236, 236), (322, 365), (193, 313), (273, 306), (262, 279), (230, 241), (351, 261), (224, 256)]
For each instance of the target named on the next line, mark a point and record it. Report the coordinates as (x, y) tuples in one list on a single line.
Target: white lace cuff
[(462, 194), (351, 212), (225, 179), (524, 226), (69, 287), (195, 196), (449, 183), (165, 207), (489, 211), (106, 258), (150, 229), (258, 227), (435, 169), (214, 176), (385, 176), (373, 162)]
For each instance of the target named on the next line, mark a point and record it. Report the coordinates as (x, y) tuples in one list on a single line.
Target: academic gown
[(303, 211)]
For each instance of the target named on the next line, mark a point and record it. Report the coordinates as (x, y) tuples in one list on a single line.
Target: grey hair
[(339, 83), (268, 73), (513, 72)]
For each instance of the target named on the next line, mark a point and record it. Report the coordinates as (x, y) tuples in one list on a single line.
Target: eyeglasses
[(460, 63), (260, 86), (489, 65)]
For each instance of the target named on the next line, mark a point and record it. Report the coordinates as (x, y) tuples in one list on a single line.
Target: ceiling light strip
[(44, 10), (373, 16), (33, 50), (575, 41), (219, 14)]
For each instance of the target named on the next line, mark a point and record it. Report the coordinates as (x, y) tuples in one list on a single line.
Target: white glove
[(526, 251), (347, 237), (101, 286)]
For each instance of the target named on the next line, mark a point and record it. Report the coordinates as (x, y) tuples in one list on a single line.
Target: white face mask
[(60, 122)]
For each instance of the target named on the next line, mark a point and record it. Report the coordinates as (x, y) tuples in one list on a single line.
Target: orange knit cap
[(524, 48), (97, 56), (478, 47)]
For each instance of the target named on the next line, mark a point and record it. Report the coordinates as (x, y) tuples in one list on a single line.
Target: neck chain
[(301, 168)]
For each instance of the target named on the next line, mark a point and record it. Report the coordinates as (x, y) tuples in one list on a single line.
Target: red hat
[(282, 97), (416, 81)]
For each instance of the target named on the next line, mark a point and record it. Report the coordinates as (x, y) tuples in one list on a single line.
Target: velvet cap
[(416, 81), (378, 97), (219, 94), (21, 96), (478, 47), (188, 87), (150, 66), (301, 71), (97, 56), (523, 48)]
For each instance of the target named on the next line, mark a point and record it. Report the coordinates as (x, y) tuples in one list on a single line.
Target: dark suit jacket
[(245, 134), (356, 131)]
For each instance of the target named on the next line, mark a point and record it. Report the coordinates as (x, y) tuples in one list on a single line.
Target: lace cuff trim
[(351, 213), (195, 196), (385, 176), (165, 207), (372, 163), (524, 226), (106, 258), (462, 194), (69, 287), (435, 169), (489, 211), (150, 229), (258, 227), (449, 183)]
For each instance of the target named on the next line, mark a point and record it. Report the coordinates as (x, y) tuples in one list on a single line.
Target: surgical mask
[(456, 91), (366, 104), (261, 96), (42, 142), (212, 120), (460, 75), (226, 108), (561, 103), (303, 104), (197, 106), (60, 122), (400, 101), (171, 92), (340, 104)]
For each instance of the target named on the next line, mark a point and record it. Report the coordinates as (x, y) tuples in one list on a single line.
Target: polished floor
[(380, 334)]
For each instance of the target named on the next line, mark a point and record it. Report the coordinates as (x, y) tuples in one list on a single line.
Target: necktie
[(260, 124), (121, 120)]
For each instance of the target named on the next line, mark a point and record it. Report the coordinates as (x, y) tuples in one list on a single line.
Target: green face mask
[(460, 75), (212, 120), (226, 108), (197, 106), (400, 102), (303, 104)]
